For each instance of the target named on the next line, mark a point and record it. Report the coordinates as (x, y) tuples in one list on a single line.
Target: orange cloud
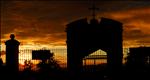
[(136, 24), (42, 22)]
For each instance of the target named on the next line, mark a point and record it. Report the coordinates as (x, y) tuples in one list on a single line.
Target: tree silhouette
[(28, 65), (49, 64), (48, 67)]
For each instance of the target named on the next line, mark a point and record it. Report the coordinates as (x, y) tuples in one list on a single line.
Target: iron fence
[(60, 55)]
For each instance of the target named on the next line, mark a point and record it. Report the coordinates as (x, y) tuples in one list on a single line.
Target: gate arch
[(84, 38)]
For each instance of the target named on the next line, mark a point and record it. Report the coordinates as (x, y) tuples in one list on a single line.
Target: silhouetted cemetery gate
[(97, 59), (60, 54)]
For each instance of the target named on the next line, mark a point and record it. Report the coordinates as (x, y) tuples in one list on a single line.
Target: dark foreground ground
[(63, 74)]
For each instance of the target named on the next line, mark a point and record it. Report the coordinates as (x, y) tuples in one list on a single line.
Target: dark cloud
[(45, 21), (136, 34)]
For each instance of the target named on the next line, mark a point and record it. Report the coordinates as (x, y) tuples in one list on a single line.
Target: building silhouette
[(138, 58), (84, 38), (12, 51)]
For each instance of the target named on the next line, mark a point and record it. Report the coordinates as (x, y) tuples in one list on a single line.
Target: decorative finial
[(12, 36)]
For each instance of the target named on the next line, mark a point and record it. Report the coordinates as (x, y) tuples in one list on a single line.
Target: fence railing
[(60, 54)]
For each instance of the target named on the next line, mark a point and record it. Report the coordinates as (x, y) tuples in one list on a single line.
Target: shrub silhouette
[(49, 65)]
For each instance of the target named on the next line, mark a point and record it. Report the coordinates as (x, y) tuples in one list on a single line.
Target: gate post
[(12, 51)]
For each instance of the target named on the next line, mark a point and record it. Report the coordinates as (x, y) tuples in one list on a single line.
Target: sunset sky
[(43, 23)]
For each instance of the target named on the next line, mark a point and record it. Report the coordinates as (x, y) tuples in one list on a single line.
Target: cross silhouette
[(93, 8)]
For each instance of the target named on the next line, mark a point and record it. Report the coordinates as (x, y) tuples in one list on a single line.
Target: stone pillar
[(12, 51)]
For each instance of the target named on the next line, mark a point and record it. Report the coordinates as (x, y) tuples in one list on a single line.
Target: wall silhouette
[(12, 51), (84, 38)]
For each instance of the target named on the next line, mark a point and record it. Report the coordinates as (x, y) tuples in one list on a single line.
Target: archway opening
[(95, 61)]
